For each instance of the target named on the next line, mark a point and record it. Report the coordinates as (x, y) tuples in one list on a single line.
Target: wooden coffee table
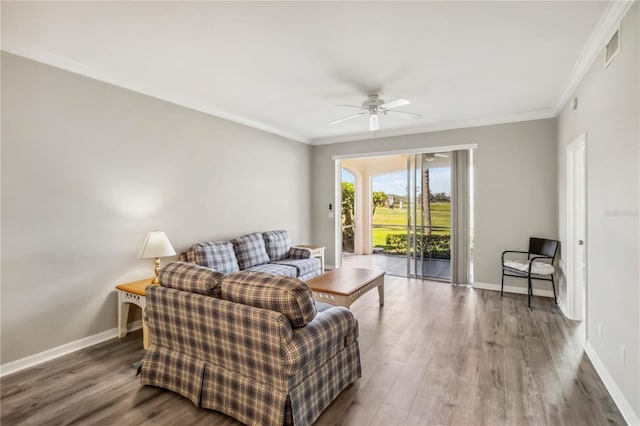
[(343, 286)]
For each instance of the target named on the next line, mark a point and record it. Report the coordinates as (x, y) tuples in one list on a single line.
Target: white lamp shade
[(156, 245)]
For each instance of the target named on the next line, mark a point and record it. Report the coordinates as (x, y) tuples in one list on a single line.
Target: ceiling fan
[(373, 106), (432, 156)]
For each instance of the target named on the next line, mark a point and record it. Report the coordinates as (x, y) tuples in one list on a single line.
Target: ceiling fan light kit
[(373, 122), (373, 106)]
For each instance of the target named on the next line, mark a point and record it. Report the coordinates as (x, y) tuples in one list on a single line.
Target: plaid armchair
[(248, 344)]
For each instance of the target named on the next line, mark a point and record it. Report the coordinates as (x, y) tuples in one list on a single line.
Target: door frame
[(576, 290), (337, 196)]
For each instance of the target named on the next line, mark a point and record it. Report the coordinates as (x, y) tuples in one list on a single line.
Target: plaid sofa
[(248, 344), (269, 252)]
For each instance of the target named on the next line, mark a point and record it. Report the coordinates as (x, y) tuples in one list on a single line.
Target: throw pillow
[(277, 244), (250, 250), (215, 255)]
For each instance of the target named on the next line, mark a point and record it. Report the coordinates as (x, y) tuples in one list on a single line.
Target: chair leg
[(553, 284), (530, 291), (502, 285)]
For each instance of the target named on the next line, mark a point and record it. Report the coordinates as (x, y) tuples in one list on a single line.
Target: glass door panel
[(429, 216)]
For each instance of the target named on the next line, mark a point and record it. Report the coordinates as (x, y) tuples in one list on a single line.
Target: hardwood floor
[(434, 354)]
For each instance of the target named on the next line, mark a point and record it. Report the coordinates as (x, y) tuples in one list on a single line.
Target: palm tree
[(426, 202)]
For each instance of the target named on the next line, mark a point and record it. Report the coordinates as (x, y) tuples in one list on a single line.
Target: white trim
[(328, 266), (616, 394), (77, 68), (437, 127), (600, 36), (512, 289), (337, 213), (48, 355), (562, 277), (409, 151), (575, 296), (608, 61), (609, 21)]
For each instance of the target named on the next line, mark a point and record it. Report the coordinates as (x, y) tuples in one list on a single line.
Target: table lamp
[(156, 245)]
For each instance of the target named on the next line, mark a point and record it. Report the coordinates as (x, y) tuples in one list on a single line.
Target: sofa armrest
[(299, 253), (327, 334)]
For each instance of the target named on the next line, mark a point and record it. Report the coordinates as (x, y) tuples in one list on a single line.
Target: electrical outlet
[(623, 355), (600, 330)]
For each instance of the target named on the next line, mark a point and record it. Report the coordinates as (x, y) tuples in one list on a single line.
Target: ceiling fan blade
[(441, 154), (351, 106), (403, 115), (395, 104), (346, 118)]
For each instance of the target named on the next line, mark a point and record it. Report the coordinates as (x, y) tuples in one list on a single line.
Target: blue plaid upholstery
[(277, 244), (303, 266), (275, 269), (215, 255), (250, 250), (245, 361), (299, 253), (310, 275), (286, 295), (190, 277)]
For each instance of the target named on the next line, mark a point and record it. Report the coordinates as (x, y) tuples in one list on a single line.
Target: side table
[(128, 294), (316, 251)]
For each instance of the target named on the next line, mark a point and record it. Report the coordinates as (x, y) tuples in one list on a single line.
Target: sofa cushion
[(286, 295), (250, 250), (277, 244), (192, 278), (300, 253), (275, 269), (303, 266), (215, 255)]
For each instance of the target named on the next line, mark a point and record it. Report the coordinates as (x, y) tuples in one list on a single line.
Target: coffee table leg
[(381, 293)]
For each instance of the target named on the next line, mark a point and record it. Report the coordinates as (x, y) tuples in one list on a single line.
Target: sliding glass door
[(429, 227), (411, 214)]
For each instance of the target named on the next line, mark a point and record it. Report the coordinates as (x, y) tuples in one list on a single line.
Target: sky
[(396, 182)]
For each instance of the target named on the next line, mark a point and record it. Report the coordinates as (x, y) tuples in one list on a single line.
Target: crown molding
[(436, 127), (608, 23), (78, 68)]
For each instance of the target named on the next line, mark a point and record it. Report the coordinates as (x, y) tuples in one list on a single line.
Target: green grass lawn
[(440, 216)]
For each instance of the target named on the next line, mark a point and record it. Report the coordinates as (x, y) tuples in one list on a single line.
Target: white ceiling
[(284, 66)]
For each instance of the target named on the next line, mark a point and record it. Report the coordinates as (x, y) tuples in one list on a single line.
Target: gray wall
[(609, 111), (515, 186), (88, 169)]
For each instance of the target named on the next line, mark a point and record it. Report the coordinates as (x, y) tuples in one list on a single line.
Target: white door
[(576, 229)]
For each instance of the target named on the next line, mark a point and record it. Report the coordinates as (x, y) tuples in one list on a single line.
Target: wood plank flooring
[(434, 354)]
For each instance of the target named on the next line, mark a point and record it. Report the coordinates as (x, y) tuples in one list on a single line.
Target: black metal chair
[(537, 266)]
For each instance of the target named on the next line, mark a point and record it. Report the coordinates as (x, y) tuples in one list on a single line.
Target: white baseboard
[(39, 358), (629, 415), (512, 289), (563, 308), (327, 266)]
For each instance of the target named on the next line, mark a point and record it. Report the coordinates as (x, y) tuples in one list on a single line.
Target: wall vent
[(612, 48)]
